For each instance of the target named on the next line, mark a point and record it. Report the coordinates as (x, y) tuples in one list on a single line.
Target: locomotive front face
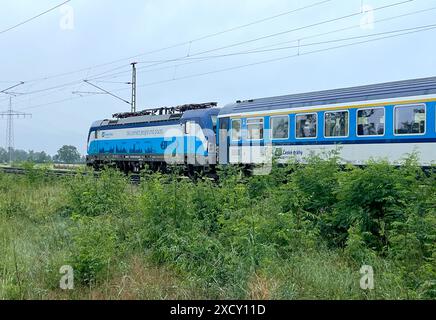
[(200, 132)]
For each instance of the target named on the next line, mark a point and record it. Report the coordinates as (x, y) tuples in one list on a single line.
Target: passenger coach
[(384, 121)]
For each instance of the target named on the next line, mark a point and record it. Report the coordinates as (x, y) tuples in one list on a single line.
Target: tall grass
[(302, 232)]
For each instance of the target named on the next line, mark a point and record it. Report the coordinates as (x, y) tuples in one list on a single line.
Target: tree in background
[(38, 157), (22, 156), (67, 154)]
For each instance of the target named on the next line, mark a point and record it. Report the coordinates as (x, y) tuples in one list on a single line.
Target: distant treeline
[(66, 154)]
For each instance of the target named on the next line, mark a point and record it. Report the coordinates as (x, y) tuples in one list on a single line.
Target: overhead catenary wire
[(300, 45), (254, 51), (102, 76), (377, 21), (330, 41), (194, 60), (12, 87), (279, 59), (285, 32), (190, 42), (302, 28), (256, 39), (33, 18), (107, 92), (433, 27), (54, 88), (184, 43), (164, 48)]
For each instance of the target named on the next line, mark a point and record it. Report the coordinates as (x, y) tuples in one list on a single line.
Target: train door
[(190, 139), (224, 140)]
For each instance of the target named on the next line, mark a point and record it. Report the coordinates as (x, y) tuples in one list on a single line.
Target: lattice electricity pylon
[(10, 115)]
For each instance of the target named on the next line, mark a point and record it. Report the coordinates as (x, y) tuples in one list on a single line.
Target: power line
[(133, 101), (262, 38), (302, 28), (190, 42), (248, 52), (101, 76), (81, 93), (201, 59), (107, 92), (207, 58), (258, 50), (259, 21), (59, 75), (430, 27), (282, 58), (53, 102), (54, 88), (165, 48), (255, 51), (33, 18), (314, 43), (12, 87), (348, 28), (109, 71), (117, 82), (287, 31), (182, 43), (44, 95), (68, 84)]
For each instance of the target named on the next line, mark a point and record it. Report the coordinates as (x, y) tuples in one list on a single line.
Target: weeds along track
[(50, 172), (22, 171), (134, 179)]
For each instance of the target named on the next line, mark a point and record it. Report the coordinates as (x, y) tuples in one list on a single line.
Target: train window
[(280, 127), (371, 122), (190, 128), (96, 134), (336, 124), (236, 130), (410, 119), (255, 129), (306, 126), (214, 122)]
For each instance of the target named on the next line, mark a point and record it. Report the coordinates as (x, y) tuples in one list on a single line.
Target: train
[(380, 121)]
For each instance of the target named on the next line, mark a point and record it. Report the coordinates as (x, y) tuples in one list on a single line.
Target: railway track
[(23, 171), (134, 179)]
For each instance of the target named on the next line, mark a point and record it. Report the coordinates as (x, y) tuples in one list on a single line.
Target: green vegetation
[(66, 154), (302, 232)]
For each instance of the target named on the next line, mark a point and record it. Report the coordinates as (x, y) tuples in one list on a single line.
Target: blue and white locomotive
[(184, 135), (383, 121)]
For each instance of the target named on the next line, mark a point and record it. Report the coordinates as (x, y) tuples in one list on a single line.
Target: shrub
[(36, 175), (94, 249), (317, 181), (374, 197), (105, 195), (356, 248)]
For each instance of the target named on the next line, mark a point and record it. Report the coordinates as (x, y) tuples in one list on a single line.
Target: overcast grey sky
[(103, 31)]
